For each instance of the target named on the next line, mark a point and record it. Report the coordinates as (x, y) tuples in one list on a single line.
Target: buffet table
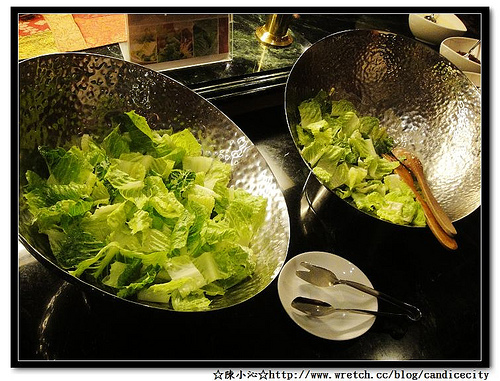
[(57, 321)]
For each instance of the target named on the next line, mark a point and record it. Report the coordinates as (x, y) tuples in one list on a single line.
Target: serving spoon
[(321, 277), (412, 162), (443, 238), (318, 308)]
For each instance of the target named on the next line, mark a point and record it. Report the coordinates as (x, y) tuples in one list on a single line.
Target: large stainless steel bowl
[(427, 104), (63, 96)]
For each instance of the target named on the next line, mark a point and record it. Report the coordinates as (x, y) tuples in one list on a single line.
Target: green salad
[(344, 151), (144, 215)]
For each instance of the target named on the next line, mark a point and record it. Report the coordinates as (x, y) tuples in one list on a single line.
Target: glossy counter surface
[(57, 321)]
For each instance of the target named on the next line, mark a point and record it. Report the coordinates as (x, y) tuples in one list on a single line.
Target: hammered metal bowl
[(63, 96), (427, 104)]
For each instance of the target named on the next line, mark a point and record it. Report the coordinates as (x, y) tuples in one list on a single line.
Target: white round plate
[(339, 325)]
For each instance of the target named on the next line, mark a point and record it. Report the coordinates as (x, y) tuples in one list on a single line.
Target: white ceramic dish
[(446, 25), (451, 47), (474, 77), (339, 325)]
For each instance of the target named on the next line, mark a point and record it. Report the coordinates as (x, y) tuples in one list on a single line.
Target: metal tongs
[(431, 17), (322, 277)]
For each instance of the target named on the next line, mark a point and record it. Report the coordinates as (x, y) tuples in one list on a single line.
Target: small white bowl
[(446, 25), (474, 77), (453, 46)]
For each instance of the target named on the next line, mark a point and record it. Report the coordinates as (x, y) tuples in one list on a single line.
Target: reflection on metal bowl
[(427, 105), (63, 96), (326, 218)]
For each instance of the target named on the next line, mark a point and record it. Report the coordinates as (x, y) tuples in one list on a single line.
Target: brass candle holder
[(275, 32)]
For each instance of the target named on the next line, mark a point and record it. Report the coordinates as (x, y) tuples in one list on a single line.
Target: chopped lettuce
[(344, 151), (144, 215)]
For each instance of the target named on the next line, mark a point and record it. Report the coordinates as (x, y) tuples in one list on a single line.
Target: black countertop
[(58, 321)]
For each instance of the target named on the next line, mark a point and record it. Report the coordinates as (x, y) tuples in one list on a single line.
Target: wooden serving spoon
[(412, 162), (447, 241)]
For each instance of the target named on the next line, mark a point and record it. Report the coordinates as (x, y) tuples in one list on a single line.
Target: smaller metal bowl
[(427, 105)]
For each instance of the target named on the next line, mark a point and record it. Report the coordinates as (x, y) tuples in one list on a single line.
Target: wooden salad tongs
[(437, 220)]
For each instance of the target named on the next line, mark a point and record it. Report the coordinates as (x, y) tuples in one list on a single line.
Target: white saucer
[(339, 325)]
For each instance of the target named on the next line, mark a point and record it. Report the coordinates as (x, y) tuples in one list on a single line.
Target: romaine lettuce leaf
[(161, 292), (144, 215), (139, 284), (207, 265), (195, 301), (349, 122), (180, 181), (186, 140), (128, 186), (341, 106), (197, 163), (218, 175), (138, 131), (364, 147), (236, 261), (245, 214), (310, 112), (115, 144), (140, 221), (343, 149), (203, 196), (182, 267), (121, 273), (313, 152), (154, 240)]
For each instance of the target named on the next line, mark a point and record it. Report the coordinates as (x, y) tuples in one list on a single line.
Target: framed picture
[(166, 41)]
